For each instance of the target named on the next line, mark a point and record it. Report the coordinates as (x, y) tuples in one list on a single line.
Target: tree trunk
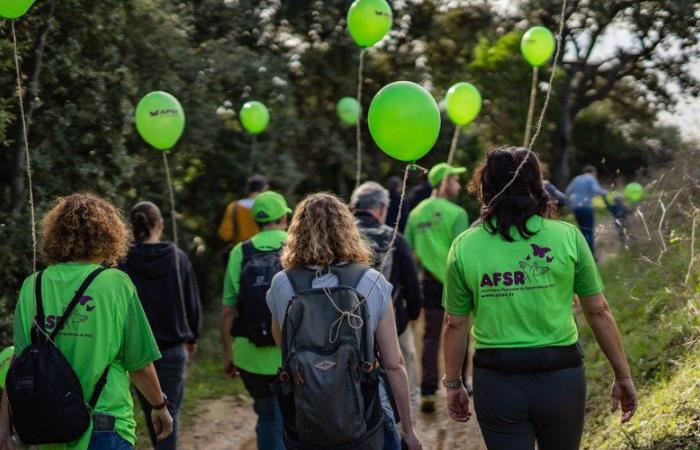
[(559, 169)]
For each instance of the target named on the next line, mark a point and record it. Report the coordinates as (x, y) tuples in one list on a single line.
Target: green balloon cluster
[(5, 358), (12, 9), (348, 110), (160, 120), (463, 103), (254, 117), (369, 21), (634, 192), (404, 120), (537, 46)]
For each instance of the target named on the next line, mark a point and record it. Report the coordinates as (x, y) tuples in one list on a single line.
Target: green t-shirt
[(246, 355), (521, 293), (430, 230), (108, 326)]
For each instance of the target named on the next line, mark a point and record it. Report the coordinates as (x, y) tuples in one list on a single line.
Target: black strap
[(40, 318), (98, 388), (349, 274), (78, 295), (301, 278)]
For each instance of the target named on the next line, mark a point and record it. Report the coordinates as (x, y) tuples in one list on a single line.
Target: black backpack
[(328, 386), (379, 239), (46, 399), (254, 319)]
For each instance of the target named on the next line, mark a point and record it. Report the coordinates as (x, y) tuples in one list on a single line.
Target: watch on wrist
[(452, 384), (161, 405)]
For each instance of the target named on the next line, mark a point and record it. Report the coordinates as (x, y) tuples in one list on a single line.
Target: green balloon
[(404, 120), (369, 21), (160, 120), (254, 117), (12, 9), (5, 358), (348, 110), (634, 192), (537, 46), (463, 103)]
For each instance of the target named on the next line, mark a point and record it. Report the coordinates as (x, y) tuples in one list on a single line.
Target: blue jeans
[(171, 375), (270, 426), (392, 438), (108, 440), (586, 221)]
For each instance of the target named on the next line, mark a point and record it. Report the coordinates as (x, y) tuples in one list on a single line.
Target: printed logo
[(532, 275), (325, 365), (163, 112)]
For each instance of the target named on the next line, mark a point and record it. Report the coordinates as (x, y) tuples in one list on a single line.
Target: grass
[(659, 318)]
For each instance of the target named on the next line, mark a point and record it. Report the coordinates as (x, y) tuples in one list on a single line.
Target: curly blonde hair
[(323, 232), (82, 227)]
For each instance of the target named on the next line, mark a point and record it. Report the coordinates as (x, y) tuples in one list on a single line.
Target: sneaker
[(428, 404)]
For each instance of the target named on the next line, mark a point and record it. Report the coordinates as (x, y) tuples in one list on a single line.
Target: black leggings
[(516, 409)]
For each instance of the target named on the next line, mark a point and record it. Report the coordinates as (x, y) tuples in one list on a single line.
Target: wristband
[(161, 405), (452, 384)]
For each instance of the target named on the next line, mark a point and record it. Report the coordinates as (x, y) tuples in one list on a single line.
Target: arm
[(601, 320), (7, 442), (276, 331), (228, 313), (455, 337), (393, 364), (146, 381), (597, 189)]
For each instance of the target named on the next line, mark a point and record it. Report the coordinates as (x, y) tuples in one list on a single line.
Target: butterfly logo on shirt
[(537, 264), (84, 300)]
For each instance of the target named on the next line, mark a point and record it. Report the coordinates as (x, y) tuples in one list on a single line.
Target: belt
[(522, 360)]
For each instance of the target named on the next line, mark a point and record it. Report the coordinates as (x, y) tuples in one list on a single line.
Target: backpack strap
[(40, 318), (76, 298), (301, 278), (98, 388), (349, 274), (248, 250)]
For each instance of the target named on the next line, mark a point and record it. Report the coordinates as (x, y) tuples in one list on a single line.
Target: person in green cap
[(431, 228), (245, 315)]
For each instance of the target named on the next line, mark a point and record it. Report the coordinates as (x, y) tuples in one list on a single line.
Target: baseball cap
[(269, 206), (440, 171)]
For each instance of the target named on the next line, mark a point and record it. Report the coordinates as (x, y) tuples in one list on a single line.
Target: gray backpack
[(328, 385)]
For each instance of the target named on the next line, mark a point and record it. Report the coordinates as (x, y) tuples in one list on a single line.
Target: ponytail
[(144, 217)]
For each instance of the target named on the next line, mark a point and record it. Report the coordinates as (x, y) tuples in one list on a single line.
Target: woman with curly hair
[(516, 274), (324, 254), (106, 335)]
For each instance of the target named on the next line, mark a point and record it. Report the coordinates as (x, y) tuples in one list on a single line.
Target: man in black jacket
[(370, 202)]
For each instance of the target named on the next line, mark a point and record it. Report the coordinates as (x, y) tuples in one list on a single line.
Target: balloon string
[(395, 232), (173, 215), (25, 136), (453, 146), (358, 133), (531, 108), (253, 151), (545, 105)]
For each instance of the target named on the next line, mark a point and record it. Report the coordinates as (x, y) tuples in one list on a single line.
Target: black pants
[(433, 315), (516, 409)]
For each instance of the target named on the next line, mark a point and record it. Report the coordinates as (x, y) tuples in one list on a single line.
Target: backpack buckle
[(284, 376), (369, 367)]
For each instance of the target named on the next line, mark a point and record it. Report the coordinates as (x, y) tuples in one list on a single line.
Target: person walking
[(245, 316), (581, 192), (167, 287), (329, 309), (369, 205), (529, 380), (104, 336), (238, 223), (431, 228)]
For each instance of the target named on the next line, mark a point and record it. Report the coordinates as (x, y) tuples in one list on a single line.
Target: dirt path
[(228, 423)]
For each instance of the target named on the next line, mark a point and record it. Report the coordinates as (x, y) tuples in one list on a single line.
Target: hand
[(458, 404), (162, 422), (623, 394), (229, 369), (191, 349), (411, 440), (7, 442)]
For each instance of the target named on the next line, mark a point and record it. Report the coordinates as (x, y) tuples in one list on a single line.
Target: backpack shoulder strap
[(40, 318), (300, 278), (248, 250), (350, 274), (76, 298), (98, 388)]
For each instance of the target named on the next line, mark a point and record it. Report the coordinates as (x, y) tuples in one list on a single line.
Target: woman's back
[(107, 328)]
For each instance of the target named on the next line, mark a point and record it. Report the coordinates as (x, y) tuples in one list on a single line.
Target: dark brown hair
[(524, 198), (144, 217), (82, 227)]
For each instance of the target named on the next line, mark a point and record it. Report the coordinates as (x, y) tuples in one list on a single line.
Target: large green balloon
[(369, 21), (348, 110), (404, 120), (5, 359), (537, 46), (160, 120), (634, 192), (254, 117), (12, 9), (463, 103)]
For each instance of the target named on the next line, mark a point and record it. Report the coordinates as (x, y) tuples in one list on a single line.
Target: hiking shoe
[(428, 404)]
